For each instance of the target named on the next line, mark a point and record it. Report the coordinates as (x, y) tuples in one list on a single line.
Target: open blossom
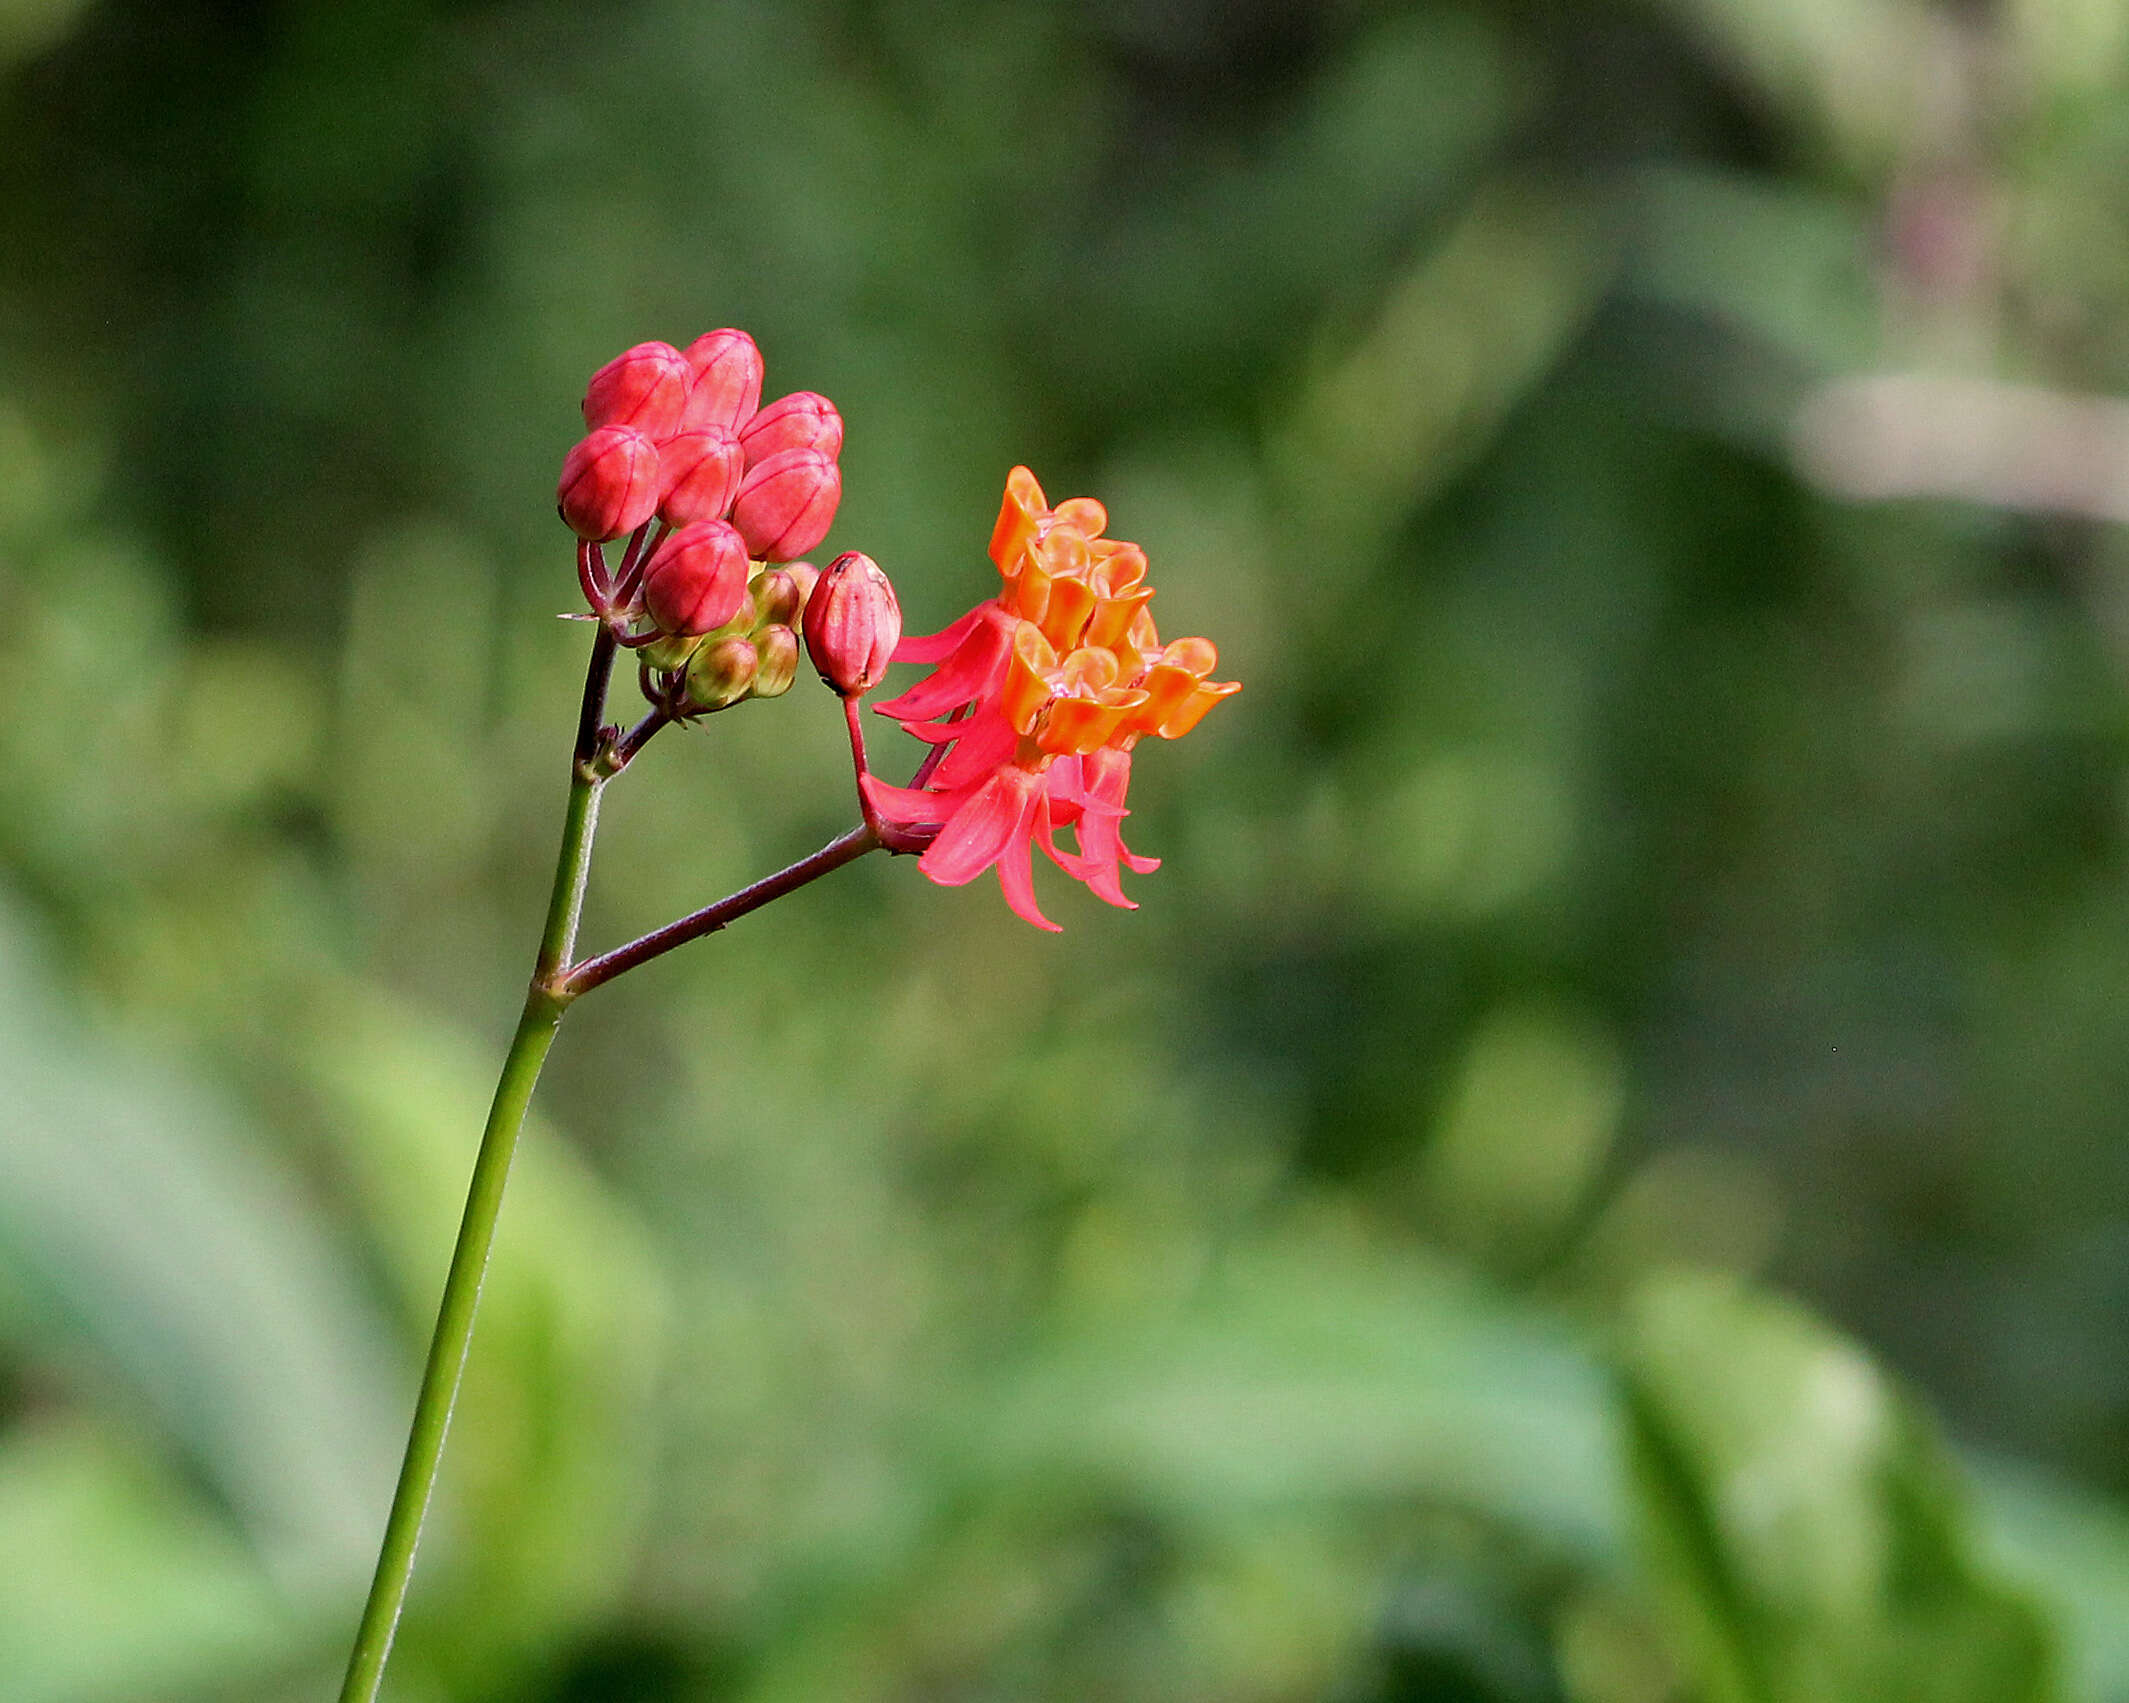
[(1039, 696)]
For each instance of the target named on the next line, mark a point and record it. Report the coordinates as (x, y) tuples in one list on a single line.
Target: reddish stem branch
[(622, 751), (594, 971), (593, 707)]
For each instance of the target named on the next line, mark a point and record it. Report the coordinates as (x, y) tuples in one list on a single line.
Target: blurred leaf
[(120, 1582), (159, 1245), (2071, 1548), (28, 27), (1784, 267), (1854, 69), (1307, 1374), (1386, 416), (1807, 1534)]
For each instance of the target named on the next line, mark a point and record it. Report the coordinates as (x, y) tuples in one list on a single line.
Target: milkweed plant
[(1036, 700)]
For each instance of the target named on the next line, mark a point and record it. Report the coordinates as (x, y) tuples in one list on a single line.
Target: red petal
[(986, 742), (906, 806), (972, 672), (930, 647), (1016, 873), (981, 829)]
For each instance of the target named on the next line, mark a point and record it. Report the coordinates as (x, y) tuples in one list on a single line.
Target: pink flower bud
[(645, 387), (697, 579), (777, 649), (853, 623), (727, 387), (801, 420), (721, 672), (787, 503), (702, 472), (609, 483)]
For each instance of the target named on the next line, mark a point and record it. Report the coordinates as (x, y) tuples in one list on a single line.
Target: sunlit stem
[(599, 754), (453, 1338), (446, 1366)]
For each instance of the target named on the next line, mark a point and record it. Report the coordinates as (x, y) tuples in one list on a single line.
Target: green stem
[(559, 938), (545, 1002), (448, 1348)]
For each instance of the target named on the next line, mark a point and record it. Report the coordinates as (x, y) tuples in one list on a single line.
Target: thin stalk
[(545, 1001), (856, 725), (448, 1347), (595, 971)]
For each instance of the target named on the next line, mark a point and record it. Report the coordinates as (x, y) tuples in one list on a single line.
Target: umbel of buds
[(683, 436), (853, 624), (717, 496)]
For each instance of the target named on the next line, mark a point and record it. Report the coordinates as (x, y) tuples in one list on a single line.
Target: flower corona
[(1037, 699)]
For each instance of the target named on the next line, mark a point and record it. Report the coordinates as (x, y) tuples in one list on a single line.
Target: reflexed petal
[(1016, 871), (930, 647), (981, 829), (971, 673), (987, 740), (906, 806)]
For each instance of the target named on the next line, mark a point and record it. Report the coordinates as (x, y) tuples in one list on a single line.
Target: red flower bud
[(702, 472), (853, 623), (609, 483), (801, 420), (777, 650), (697, 579), (721, 672), (645, 387), (787, 503), (727, 388)]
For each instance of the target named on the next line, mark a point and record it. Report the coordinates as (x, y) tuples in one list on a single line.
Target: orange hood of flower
[(1086, 668), (1037, 699)]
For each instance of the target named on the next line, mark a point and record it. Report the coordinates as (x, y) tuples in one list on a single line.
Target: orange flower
[(1037, 699)]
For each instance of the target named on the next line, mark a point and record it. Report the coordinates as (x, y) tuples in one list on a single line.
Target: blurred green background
[(1596, 1176)]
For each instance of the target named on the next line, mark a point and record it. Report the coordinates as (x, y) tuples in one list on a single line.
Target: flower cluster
[(1038, 697), (718, 496)]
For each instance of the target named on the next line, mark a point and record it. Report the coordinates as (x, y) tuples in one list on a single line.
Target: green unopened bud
[(777, 647), (721, 672), (669, 651), (779, 596)]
